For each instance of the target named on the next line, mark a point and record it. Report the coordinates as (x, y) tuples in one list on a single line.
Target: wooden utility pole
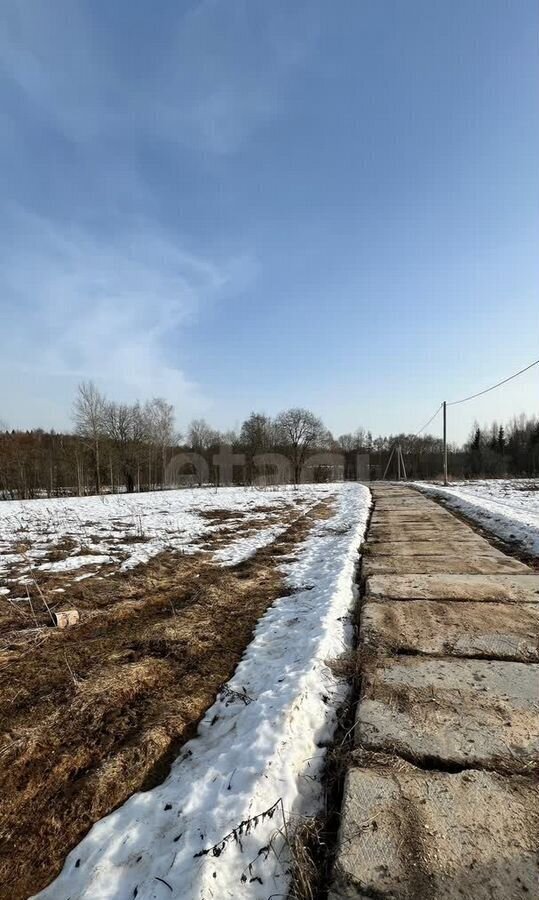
[(404, 475), (396, 451), (389, 462), (445, 442)]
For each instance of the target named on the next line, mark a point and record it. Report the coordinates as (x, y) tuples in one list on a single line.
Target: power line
[(498, 384), (428, 423), (444, 405)]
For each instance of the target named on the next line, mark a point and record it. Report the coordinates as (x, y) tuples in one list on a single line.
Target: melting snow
[(258, 754), (128, 530), (508, 508)]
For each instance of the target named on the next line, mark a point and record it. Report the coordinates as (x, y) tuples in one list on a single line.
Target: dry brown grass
[(92, 714), (307, 844), (221, 515)]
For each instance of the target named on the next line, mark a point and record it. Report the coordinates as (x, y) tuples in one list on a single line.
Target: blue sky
[(253, 205)]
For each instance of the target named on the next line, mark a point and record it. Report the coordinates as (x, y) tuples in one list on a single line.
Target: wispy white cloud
[(109, 298), (111, 308), (224, 70)]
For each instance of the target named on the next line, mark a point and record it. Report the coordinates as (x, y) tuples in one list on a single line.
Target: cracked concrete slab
[(465, 712), (482, 588), (456, 564), (445, 628), (407, 834)]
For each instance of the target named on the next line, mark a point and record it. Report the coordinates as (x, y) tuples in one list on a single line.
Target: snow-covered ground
[(89, 533), (508, 508), (215, 829)]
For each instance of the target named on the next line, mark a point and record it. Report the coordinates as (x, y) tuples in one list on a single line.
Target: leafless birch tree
[(89, 417)]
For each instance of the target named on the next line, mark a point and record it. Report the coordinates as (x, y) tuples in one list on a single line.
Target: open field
[(90, 715), (81, 536)]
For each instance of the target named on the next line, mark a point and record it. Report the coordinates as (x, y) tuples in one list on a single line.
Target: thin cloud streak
[(199, 92), (108, 308)]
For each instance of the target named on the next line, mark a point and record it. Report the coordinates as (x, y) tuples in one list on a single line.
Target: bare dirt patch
[(221, 515), (230, 524), (92, 714)]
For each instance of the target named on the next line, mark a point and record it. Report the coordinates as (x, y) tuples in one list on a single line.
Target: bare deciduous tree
[(257, 437), (163, 423), (257, 433), (201, 436), (358, 441), (299, 430), (89, 416)]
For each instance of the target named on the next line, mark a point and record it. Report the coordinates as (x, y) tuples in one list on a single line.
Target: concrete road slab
[(452, 564), (482, 588), (445, 628), (425, 525), (428, 506), (413, 835), (454, 525), (380, 534), (385, 496), (398, 487), (385, 487), (440, 547), (429, 523), (424, 522), (464, 712), (428, 517), (398, 508), (397, 498), (400, 502)]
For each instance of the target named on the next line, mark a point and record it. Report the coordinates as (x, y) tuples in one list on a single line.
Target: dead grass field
[(94, 713)]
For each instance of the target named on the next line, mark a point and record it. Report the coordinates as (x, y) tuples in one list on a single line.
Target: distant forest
[(135, 447)]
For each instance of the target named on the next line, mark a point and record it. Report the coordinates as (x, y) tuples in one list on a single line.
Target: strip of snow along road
[(214, 829), (507, 508)]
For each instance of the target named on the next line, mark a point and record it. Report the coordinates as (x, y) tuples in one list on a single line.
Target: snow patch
[(507, 508), (258, 755), (129, 530), (71, 563)]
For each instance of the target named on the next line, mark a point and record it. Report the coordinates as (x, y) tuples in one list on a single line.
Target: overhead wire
[(426, 425), (478, 394), (498, 384)]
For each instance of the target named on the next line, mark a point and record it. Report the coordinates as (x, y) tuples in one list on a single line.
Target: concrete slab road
[(441, 798)]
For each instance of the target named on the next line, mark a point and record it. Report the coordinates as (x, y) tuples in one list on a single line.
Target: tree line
[(500, 450), (136, 447)]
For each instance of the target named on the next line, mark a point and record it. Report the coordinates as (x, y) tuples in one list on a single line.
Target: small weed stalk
[(44, 601)]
